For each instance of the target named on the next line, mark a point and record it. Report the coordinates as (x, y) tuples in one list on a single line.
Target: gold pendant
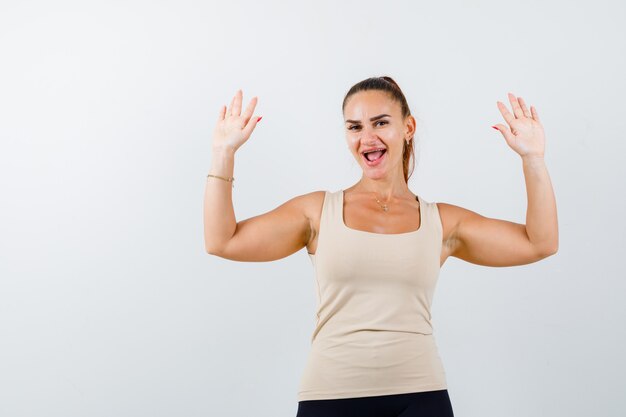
[(383, 206)]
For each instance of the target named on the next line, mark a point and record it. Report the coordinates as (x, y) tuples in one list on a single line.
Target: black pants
[(413, 404)]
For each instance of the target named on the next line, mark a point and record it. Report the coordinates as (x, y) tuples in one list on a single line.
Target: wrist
[(533, 157), (533, 161), (222, 162), (222, 151)]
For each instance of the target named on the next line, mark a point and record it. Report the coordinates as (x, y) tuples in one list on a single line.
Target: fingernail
[(495, 127), (259, 119)]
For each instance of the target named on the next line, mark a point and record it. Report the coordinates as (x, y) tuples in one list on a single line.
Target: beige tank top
[(373, 333)]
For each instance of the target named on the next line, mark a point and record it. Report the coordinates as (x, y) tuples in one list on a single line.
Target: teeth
[(374, 150)]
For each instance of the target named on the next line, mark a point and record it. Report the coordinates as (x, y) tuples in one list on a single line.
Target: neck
[(384, 188)]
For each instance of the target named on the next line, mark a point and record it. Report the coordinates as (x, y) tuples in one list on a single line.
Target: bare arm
[(219, 214), (266, 237), (485, 241), (541, 218), (269, 236), (232, 129), (494, 242)]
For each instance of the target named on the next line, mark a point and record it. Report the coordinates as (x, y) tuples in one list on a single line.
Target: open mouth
[(374, 157)]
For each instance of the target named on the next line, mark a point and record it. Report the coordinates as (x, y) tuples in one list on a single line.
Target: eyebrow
[(371, 120)]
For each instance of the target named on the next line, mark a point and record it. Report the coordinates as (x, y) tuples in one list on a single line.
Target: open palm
[(233, 127), (525, 133)]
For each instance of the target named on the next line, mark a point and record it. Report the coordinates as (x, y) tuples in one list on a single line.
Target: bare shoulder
[(311, 206), (312, 203), (307, 202), (451, 216)]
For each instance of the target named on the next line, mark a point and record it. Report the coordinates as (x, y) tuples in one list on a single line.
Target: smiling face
[(373, 120)]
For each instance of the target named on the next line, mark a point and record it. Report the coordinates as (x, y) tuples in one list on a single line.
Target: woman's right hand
[(232, 128)]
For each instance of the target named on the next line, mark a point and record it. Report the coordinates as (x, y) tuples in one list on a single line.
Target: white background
[(109, 305)]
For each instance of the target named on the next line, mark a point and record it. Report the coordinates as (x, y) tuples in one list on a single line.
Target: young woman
[(377, 249)]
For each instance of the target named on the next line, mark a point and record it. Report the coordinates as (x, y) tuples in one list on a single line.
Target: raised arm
[(266, 237), (269, 236), (493, 242)]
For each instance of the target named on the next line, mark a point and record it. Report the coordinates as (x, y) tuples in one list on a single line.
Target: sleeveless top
[(373, 333)]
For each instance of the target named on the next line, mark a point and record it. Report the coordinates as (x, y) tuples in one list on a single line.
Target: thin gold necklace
[(384, 206)]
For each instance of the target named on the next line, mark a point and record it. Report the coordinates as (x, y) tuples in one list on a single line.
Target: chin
[(374, 175)]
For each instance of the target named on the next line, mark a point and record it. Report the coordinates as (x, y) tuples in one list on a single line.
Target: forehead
[(370, 103)]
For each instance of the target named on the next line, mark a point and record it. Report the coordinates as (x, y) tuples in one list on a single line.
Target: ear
[(410, 125)]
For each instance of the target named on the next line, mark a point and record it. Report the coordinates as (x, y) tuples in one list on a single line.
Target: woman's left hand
[(525, 136)]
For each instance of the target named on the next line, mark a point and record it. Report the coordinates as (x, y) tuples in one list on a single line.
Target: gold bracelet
[(231, 179)]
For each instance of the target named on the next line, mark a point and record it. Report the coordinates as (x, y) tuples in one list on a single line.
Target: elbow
[(212, 251), (213, 247), (549, 250), (552, 252), (555, 247)]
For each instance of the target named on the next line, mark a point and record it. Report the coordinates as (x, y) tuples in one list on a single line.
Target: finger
[(222, 113), (522, 104), (504, 130), (230, 106), (533, 111), (251, 125), (237, 103), (249, 109), (515, 106), (505, 113)]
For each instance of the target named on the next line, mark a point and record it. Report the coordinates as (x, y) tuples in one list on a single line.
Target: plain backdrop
[(109, 305)]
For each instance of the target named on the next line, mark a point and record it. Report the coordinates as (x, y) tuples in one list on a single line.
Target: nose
[(367, 133)]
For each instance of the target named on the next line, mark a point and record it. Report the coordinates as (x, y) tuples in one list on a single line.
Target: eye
[(378, 121)]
